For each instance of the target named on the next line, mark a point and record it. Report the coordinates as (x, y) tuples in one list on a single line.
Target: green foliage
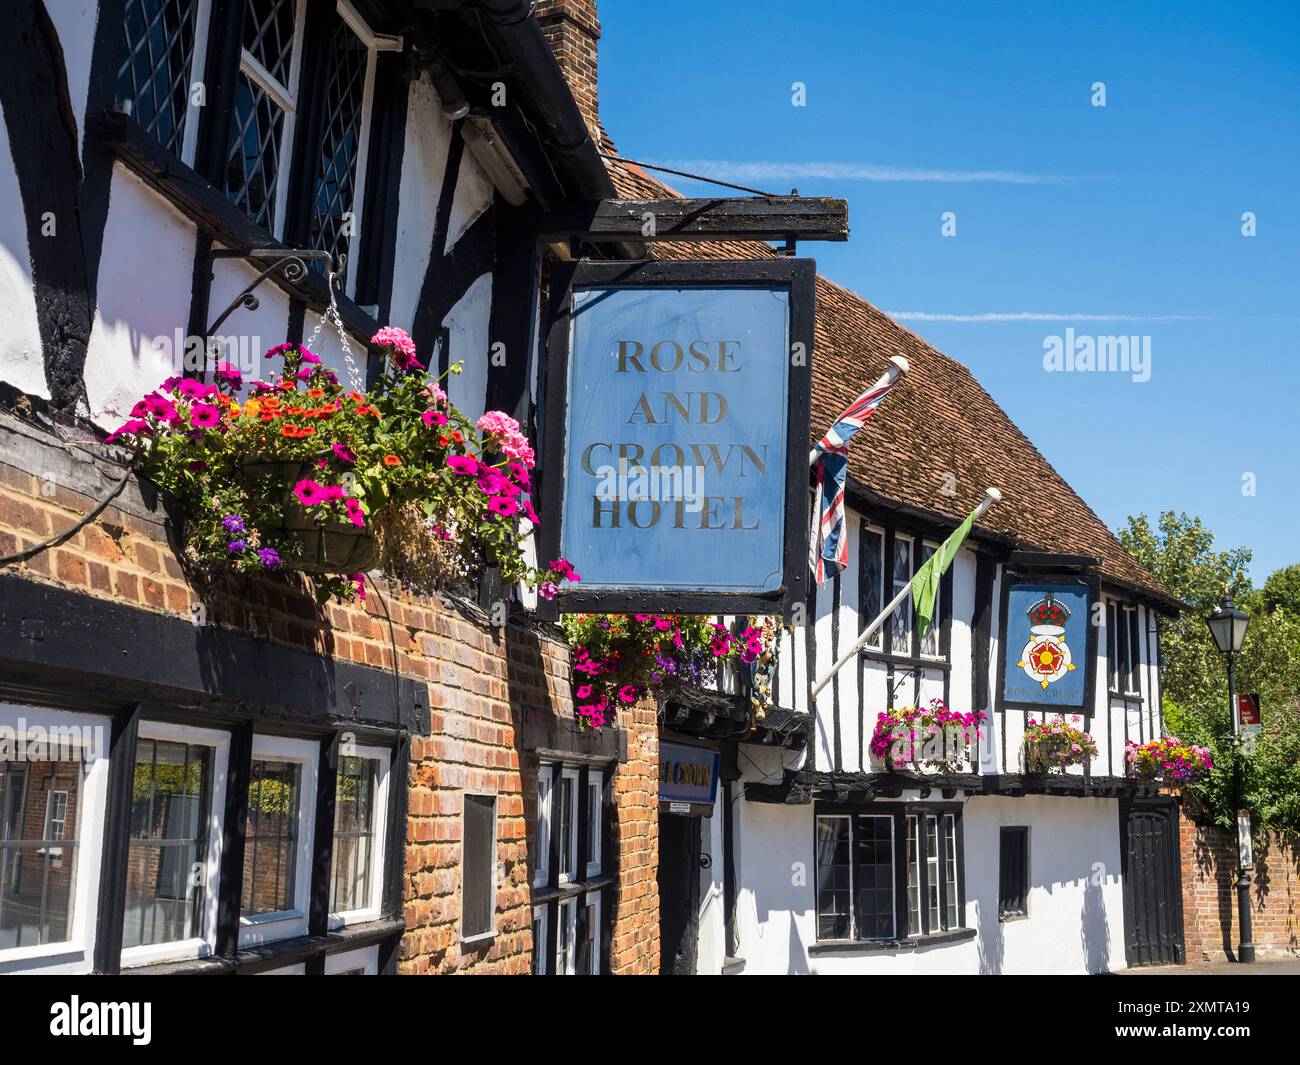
[(1180, 551)]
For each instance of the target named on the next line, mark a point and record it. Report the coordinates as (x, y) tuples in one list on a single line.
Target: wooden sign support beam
[(770, 218)]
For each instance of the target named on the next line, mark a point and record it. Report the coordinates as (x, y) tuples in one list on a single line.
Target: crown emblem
[(1047, 611)]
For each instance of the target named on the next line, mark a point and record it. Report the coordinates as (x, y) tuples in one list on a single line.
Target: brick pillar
[(635, 949), (573, 30)]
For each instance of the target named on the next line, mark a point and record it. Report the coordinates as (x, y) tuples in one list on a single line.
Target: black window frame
[(550, 897), (898, 813), (876, 588), (478, 879), (1124, 660), (1013, 872)]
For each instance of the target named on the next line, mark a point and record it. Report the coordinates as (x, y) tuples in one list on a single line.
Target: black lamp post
[(1228, 628)]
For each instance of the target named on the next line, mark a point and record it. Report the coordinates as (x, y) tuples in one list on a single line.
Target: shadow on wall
[(992, 946), (1094, 928)]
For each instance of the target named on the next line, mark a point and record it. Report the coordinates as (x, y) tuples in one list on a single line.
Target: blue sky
[(1062, 208)]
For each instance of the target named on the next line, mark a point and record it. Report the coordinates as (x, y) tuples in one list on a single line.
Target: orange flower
[(290, 431), (356, 397), (316, 393), (364, 409), (252, 408), (392, 460)]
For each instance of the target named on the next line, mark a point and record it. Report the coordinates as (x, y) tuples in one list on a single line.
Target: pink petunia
[(310, 493), (502, 505), (204, 416), (343, 453), (433, 417), (355, 514), (465, 465)]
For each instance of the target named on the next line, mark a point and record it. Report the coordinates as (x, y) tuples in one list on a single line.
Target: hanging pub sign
[(675, 472), (688, 777), (1049, 646)]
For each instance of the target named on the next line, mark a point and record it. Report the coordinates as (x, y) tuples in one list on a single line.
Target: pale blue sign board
[(1065, 687), (693, 380), (688, 774)]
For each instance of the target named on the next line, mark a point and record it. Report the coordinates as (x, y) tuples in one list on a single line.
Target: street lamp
[(1228, 629)]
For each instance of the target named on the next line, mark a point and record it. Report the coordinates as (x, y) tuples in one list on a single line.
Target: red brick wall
[(573, 30), (480, 681), (1209, 858)]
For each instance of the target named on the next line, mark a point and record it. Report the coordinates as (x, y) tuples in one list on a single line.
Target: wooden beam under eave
[(772, 218)]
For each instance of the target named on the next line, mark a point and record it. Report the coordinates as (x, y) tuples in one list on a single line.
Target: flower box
[(1056, 745)]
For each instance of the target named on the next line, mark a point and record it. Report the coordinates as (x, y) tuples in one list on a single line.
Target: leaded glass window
[(271, 836), (153, 83), (257, 157)]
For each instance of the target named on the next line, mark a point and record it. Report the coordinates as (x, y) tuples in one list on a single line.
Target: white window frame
[(566, 911), (193, 111), (853, 878), (1129, 617), (595, 821), (55, 853), (265, 927), (545, 797), (285, 97), (904, 609), (373, 910), (76, 953), (542, 959), (203, 945), (366, 959), (493, 880), (569, 772), (374, 43), (592, 898)]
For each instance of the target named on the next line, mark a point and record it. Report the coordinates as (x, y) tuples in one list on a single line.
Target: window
[(930, 645), (478, 868), (857, 855), (542, 852), (872, 579), (595, 804), (566, 817), (565, 933), (165, 42), (341, 165), (356, 874), (177, 795), (278, 839), (1013, 872), (1123, 649), (589, 954), (53, 779), (261, 131), (569, 879), (540, 948), (900, 640)]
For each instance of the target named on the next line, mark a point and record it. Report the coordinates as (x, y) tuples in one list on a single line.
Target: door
[(679, 893), (1153, 893)]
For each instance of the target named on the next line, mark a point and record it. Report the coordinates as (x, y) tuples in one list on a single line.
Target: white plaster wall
[(75, 22), (712, 940), (248, 333), (467, 325), (144, 293), (21, 363), (1075, 922)]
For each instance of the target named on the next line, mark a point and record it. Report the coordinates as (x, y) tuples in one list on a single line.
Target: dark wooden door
[(679, 893), (1152, 875)]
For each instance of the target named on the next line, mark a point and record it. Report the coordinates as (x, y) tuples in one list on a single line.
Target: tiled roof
[(938, 431)]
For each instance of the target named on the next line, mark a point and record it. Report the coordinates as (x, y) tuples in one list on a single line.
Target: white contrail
[(770, 170), (1043, 316)]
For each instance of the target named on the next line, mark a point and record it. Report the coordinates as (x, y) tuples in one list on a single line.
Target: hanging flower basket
[(1168, 761), (299, 472), (1056, 745), (933, 738)]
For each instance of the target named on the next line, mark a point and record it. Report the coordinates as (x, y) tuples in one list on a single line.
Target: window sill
[(564, 891), (732, 966), (876, 946), (888, 658), (1012, 918), (1127, 697)]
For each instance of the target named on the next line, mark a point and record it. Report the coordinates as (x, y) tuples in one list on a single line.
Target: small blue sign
[(1046, 645), (688, 774), (676, 441)]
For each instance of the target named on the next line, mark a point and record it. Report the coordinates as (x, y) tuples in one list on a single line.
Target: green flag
[(925, 586)]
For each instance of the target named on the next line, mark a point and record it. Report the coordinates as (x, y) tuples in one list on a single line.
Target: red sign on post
[(1249, 721)]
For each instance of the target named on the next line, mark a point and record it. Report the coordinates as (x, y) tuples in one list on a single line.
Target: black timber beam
[(773, 218)]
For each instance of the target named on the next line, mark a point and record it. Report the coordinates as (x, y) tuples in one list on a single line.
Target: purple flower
[(233, 523), (235, 546), (269, 557)]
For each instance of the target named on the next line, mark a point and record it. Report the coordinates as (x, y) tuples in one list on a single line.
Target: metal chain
[(332, 316)]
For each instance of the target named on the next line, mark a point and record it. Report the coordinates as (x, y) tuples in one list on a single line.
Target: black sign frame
[(1012, 577), (799, 276)]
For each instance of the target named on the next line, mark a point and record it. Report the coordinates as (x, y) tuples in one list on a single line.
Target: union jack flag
[(830, 547)]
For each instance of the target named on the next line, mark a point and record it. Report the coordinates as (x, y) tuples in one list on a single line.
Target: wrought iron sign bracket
[(290, 262)]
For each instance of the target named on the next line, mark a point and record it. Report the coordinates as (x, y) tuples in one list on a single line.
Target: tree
[(1180, 552)]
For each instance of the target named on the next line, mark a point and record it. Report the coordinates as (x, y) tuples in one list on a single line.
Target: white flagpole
[(897, 367), (991, 496)]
